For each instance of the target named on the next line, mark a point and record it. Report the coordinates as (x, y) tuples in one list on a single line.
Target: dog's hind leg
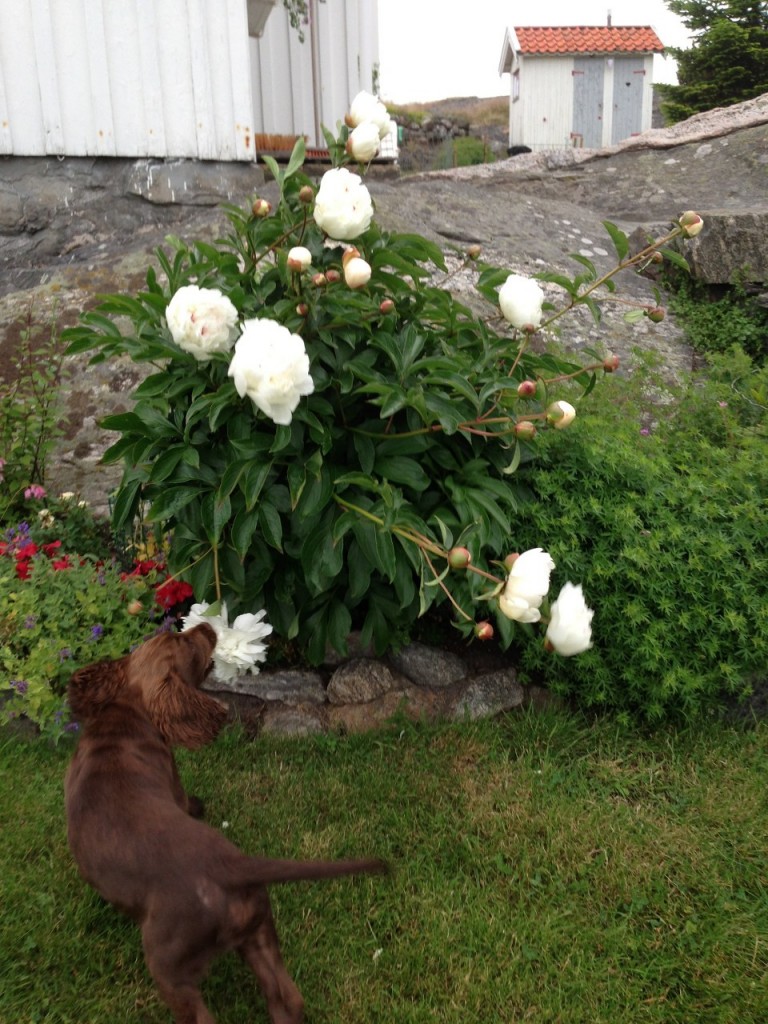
[(261, 951), (177, 978)]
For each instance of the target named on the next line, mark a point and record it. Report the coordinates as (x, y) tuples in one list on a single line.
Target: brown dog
[(133, 835)]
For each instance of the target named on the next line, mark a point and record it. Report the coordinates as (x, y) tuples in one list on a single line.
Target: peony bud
[(319, 280), (349, 253), (459, 558), (474, 251), (527, 388), (561, 414), (691, 223), (332, 276), (655, 315), (484, 631), (135, 608), (510, 559), (306, 194), (357, 273), (611, 363), (302, 309), (386, 306), (525, 430), (299, 258), (657, 257), (261, 208)]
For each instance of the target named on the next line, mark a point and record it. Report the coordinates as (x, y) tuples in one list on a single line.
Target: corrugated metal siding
[(163, 78), (298, 87)]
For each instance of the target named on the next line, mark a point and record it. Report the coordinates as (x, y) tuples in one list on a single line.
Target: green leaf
[(402, 470), (619, 239), (296, 158), (172, 500), (255, 477), (244, 527), (676, 258), (271, 525)]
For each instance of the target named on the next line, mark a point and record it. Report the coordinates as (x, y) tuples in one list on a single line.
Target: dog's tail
[(265, 871)]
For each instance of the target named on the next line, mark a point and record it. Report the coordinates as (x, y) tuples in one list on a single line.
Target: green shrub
[(715, 324), (465, 151), (668, 530)]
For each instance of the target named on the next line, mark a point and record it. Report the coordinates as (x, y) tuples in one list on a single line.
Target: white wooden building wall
[(542, 118), (298, 87), (162, 78)]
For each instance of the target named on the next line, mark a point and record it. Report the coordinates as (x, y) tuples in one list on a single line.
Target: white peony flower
[(202, 321), (366, 107), (239, 646), (521, 299), (570, 630), (271, 366), (526, 586), (343, 207), (357, 272), (363, 142)]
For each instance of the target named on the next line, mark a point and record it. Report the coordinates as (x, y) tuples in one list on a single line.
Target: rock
[(289, 686), (488, 695), (292, 721), (361, 680), (415, 703), (733, 243), (428, 666)]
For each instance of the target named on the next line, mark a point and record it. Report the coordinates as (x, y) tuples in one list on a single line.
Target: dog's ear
[(172, 668), (93, 686), (186, 716)]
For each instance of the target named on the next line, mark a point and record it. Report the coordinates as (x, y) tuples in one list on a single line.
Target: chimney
[(609, 19)]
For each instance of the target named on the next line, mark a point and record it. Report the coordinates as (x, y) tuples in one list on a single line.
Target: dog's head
[(163, 676)]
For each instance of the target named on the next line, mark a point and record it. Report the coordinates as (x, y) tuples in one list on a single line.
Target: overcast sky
[(428, 53)]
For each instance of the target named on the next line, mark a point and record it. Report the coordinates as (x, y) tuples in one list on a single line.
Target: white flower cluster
[(370, 123), (570, 624), (269, 364), (238, 647)]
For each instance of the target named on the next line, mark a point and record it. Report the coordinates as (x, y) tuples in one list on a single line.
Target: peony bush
[(329, 436)]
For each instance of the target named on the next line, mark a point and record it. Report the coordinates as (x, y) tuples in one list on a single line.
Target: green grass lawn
[(546, 869)]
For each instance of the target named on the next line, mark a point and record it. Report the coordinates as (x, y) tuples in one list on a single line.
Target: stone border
[(363, 692)]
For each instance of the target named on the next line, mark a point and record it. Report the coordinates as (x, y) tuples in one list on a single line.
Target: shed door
[(628, 81), (588, 73)]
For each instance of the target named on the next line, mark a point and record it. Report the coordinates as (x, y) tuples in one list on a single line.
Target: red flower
[(26, 551), (52, 548), (142, 568), (173, 592), (62, 563), (23, 568)]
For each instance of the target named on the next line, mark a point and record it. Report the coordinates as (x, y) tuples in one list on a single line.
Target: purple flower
[(64, 653), (97, 632), (71, 727), (645, 432), (30, 622), (20, 685)]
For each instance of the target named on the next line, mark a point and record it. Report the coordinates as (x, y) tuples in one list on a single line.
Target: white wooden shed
[(300, 86), (176, 78), (578, 86)]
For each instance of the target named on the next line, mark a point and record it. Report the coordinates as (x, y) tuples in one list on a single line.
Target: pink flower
[(35, 492)]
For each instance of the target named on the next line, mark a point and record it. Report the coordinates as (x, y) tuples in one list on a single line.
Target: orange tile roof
[(589, 39)]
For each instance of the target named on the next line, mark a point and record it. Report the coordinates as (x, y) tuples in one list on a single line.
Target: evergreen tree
[(728, 61)]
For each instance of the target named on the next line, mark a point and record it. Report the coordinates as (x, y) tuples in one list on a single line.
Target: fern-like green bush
[(668, 529)]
